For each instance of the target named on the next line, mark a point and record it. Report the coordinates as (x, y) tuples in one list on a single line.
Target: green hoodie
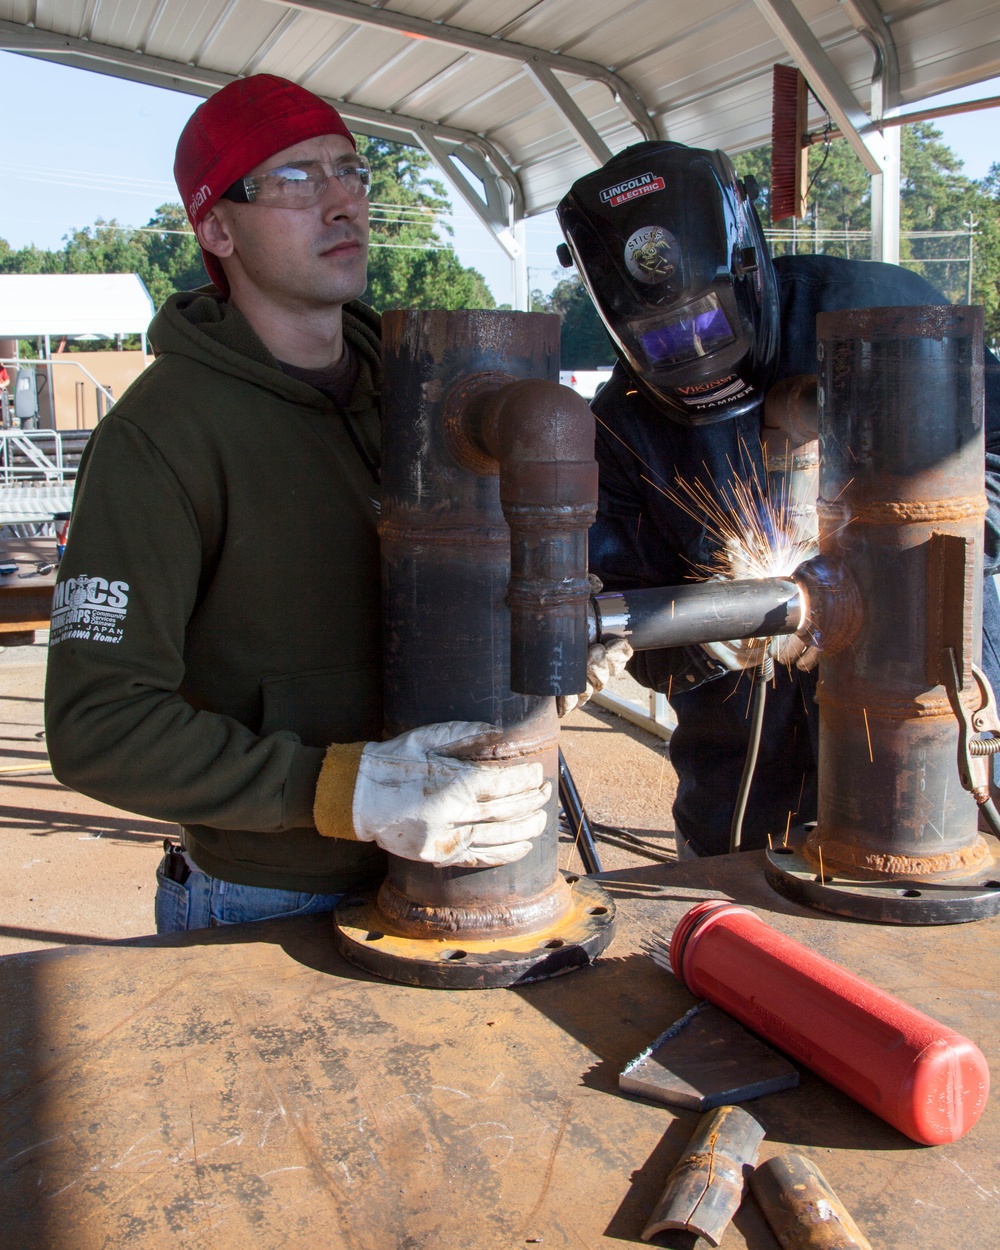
[(216, 621)]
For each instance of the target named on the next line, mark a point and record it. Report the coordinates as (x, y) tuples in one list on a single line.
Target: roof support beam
[(177, 76), (501, 213), (867, 18), (420, 28), (806, 50), (496, 213), (563, 103), (878, 155)]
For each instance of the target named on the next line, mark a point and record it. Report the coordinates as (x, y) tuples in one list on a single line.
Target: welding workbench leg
[(577, 819)]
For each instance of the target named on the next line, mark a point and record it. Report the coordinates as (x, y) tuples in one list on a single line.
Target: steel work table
[(247, 1088), (26, 602)]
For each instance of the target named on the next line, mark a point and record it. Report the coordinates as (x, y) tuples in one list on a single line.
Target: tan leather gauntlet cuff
[(335, 790)]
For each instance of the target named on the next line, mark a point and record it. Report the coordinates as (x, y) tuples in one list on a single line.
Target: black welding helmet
[(670, 248)]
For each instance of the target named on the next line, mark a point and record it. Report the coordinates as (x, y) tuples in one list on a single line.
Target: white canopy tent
[(41, 305), (514, 99)]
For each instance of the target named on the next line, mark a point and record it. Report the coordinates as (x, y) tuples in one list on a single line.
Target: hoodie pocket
[(326, 705)]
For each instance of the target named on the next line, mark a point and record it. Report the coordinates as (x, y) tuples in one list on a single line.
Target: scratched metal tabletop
[(247, 1088)]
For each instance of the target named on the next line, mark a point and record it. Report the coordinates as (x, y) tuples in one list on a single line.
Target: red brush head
[(788, 157)]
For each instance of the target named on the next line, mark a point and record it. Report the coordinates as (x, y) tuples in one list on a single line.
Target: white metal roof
[(80, 303), (530, 94)]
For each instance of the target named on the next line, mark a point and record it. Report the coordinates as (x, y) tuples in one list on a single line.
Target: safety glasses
[(301, 184)]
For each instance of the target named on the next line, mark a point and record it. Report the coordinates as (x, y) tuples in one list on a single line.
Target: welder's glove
[(603, 663), (420, 796), (787, 649)]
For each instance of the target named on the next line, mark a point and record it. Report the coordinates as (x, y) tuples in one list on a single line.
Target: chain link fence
[(946, 258)]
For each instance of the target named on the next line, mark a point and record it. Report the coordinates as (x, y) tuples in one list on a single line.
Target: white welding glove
[(420, 797), (603, 663), (742, 653)]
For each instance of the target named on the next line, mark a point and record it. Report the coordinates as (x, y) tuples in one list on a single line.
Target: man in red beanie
[(215, 655)]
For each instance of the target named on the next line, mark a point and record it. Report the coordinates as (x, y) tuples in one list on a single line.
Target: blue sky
[(84, 145)]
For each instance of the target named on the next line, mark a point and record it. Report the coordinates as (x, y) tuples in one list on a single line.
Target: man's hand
[(603, 663), (420, 797), (787, 649)]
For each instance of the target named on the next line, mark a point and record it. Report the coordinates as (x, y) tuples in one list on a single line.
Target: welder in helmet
[(705, 324)]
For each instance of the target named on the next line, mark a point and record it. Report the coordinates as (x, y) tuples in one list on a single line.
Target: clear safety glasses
[(303, 183)]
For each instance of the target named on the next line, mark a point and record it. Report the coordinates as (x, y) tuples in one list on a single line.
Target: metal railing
[(655, 714), (32, 456), (54, 360)]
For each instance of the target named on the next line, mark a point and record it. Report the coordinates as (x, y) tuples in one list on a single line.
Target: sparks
[(755, 536)]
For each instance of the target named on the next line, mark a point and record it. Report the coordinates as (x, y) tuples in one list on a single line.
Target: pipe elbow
[(791, 412), (542, 435)]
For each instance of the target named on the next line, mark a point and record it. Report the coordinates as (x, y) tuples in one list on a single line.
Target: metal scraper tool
[(704, 1060)]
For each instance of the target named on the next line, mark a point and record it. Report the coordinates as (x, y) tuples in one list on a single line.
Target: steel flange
[(365, 937), (939, 899)]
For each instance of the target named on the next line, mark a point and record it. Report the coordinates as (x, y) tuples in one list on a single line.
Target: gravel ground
[(80, 871)]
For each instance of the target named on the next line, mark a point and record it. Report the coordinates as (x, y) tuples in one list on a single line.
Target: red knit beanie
[(237, 128)]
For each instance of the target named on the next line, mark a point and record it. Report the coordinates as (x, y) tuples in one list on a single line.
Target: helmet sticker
[(631, 189), (709, 394), (652, 254)]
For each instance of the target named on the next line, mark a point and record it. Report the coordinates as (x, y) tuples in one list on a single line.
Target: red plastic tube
[(922, 1077)]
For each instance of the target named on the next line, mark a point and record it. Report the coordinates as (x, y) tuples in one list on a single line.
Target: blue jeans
[(201, 901)]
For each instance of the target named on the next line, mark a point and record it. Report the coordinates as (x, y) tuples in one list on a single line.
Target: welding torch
[(819, 601)]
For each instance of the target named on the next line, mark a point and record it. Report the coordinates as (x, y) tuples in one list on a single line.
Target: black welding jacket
[(642, 538)]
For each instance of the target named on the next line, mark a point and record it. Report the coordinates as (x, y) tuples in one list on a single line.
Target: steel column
[(446, 565), (902, 503)]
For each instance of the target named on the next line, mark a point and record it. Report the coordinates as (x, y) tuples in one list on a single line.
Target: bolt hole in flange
[(782, 850), (576, 940), (373, 935), (911, 893), (572, 880), (991, 885)]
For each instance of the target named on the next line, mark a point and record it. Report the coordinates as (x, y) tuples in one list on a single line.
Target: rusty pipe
[(542, 437), (791, 411), (445, 570), (464, 421), (901, 505), (819, 601)]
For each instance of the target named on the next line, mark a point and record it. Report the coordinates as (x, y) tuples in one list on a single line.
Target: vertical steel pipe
[(445, 570), (475, 427), (901, 505)]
